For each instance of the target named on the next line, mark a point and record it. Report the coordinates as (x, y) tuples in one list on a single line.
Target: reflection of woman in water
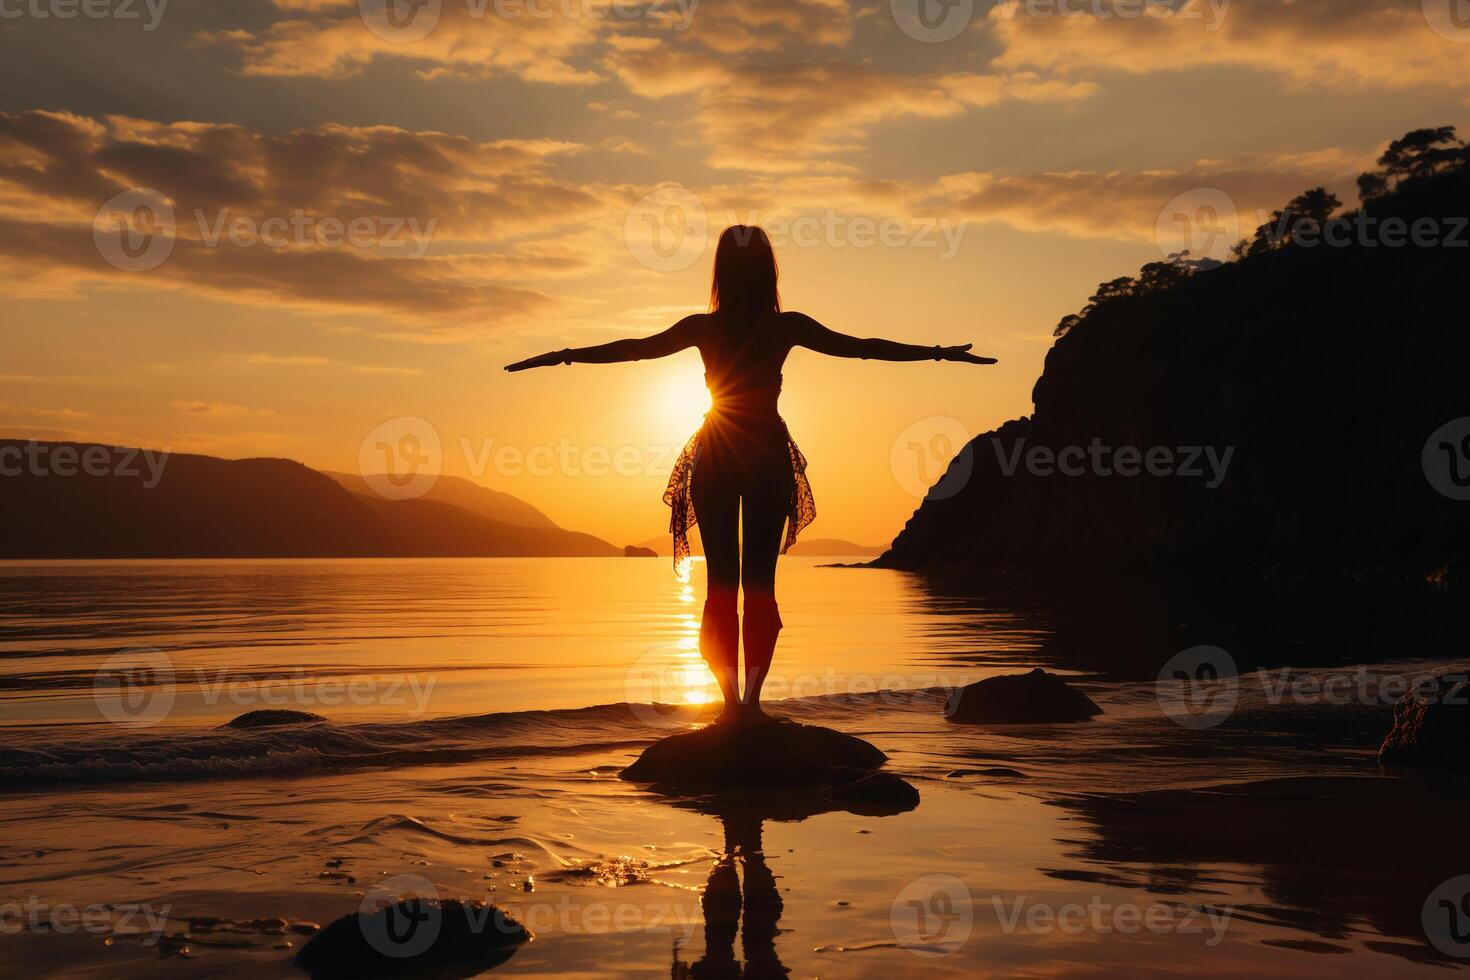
[(755, 911), (743, 458)]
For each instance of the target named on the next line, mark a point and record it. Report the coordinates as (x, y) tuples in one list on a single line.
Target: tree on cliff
[(1155, 277), (1304, 215), (1421, 153)]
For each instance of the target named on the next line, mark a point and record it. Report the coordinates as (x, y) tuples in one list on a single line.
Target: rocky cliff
[(1303, 410)]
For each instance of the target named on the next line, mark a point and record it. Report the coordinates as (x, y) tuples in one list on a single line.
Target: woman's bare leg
[(764, 518), (718, 513)]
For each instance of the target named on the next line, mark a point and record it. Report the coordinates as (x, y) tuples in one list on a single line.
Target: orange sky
[(370, 216)]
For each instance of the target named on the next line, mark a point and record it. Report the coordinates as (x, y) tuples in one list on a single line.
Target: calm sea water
[(477, 712), (382, 640)]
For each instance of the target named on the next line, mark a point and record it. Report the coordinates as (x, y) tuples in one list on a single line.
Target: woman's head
[(745, 273)]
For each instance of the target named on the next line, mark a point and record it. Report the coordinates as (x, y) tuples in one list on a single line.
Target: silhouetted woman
[(742, 463)]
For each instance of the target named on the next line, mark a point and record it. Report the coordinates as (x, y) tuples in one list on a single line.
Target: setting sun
[(681, 401)]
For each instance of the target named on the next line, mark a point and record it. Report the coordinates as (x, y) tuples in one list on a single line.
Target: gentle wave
[(224, 752)]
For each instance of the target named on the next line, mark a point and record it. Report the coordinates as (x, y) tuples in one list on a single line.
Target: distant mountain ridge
[(204, 507), (1334, 374), (493, 505), (834, 548), (817, 547)]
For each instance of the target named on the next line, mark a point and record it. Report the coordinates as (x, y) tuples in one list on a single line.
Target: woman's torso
[(743, 360)]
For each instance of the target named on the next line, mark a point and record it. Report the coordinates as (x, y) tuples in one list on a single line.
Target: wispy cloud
[(1326, 44)]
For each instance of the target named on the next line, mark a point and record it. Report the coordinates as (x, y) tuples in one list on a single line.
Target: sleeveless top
[(744, 380)]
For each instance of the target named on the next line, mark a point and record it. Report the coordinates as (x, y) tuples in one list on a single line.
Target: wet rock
[(779, 755), (1431, 726), (415, 934), (881, 790), (268, 717), (845, 775), (1020, 699), (175, 946), (206, 923), (999, 772)]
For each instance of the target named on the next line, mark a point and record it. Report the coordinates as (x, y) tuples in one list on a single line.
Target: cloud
[(551, 41), (769, 25), (800, 116), (1025, 86), (1120, 205), (55, 165), (330, 39), (1128, 205), (309, 360), (775, 84), (210, 408), (447, 226), (434, 299), (25, 411), (1338, 44), (617, 144), (278, 360)]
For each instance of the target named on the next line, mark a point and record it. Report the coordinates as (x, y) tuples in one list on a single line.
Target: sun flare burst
[(681, 401)]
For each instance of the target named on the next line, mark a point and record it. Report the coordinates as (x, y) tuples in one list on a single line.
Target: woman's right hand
[(962, 354)]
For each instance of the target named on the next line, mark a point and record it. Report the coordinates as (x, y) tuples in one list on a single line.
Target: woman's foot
[(731, 714), (752, 714), (742, 714)]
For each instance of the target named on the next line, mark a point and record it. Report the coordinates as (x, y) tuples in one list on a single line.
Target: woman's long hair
[(745, 274)]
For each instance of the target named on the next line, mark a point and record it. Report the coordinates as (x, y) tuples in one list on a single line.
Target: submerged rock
[(267, 717), (881, 790), (452, 937), (779, 755), (1000, 772), (1020, 699), (1431, 726)]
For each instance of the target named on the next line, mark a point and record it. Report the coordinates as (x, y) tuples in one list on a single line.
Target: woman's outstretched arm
[(814, 336), (670, 341)]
